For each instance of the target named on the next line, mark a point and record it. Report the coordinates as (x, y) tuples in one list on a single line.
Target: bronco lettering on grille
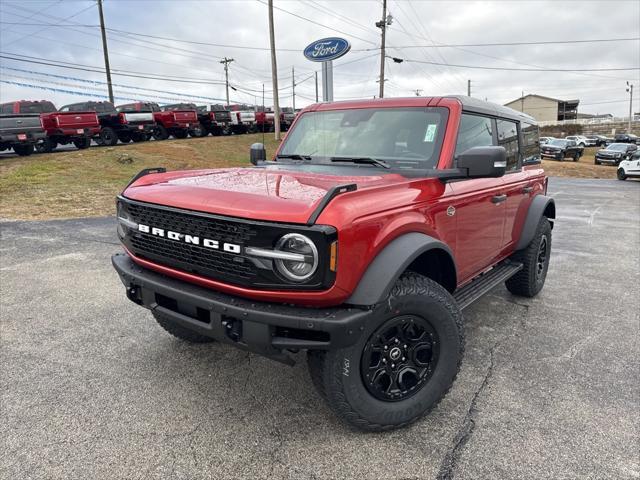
[(191, 239)]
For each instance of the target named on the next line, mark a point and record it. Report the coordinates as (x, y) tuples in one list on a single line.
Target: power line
[(511, 44), (484, 67)]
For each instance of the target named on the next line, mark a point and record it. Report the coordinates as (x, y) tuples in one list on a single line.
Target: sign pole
[(327, 81)]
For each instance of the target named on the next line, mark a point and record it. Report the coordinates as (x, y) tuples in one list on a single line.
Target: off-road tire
[(24, 150), (563, 155), (82, 143), (620, 174), (160, 133), (576, 157), (180, 134), (198, 131), (179, 331), (109, 137), (46, 146), (529, 281), (337, 376), (596, 162), (139, 137), (124, 137)]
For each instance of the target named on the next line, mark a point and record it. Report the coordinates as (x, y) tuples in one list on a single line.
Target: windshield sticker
[(430, 134)]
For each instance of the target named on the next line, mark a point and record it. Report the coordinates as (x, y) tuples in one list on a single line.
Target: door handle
[(498, 198), (527, 189)]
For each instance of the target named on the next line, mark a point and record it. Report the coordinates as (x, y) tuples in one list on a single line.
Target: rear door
[(478, 204), (519, 186)]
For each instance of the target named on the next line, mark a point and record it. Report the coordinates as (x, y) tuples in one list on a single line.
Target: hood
[(609, 153), (255, 193)]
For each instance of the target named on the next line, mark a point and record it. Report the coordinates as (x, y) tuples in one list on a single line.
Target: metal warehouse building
[(546, 109)]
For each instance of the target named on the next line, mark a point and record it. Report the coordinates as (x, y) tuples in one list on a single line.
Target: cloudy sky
[(195, 35)]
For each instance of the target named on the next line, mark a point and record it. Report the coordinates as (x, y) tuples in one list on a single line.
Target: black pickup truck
[(114, 125), (20, 131)]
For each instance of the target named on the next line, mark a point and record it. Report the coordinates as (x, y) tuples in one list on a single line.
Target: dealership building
[(546, 109)]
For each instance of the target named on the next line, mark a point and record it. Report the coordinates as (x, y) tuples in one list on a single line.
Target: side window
[(474, 131), (508, 138), (530, 142)]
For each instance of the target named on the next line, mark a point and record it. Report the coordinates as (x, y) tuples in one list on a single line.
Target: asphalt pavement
[(92, 388)]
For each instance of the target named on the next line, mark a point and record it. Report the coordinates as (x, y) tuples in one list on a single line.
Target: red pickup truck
[(61, 127), (376, 223), (177, 123)]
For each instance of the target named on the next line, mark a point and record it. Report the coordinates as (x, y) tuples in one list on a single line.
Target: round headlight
[(304, 265)]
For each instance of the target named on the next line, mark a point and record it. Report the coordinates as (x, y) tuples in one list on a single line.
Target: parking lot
[(93, 388)]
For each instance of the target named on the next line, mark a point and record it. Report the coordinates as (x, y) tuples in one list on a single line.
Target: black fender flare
[(394, 259), (539, 205)]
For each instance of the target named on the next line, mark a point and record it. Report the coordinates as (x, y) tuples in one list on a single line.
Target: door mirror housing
[(481, 162), (257, 153)]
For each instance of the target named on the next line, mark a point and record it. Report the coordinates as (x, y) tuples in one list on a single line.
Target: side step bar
[(482, 284)]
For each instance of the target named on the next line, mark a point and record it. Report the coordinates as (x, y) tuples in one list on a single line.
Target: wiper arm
[(295, 156), (366, 160)]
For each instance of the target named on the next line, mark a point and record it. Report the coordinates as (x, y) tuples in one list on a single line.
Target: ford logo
[(327, 49)]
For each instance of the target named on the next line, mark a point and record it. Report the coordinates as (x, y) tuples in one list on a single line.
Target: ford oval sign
[(327, 49)]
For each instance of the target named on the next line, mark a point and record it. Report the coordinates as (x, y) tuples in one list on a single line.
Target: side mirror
[(482, 162), (257, 153)]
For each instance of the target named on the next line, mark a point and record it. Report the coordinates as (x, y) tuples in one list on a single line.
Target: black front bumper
[(264, 328)]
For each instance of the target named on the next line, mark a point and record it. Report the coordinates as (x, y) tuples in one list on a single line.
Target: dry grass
[(584, 168), (84, 183)]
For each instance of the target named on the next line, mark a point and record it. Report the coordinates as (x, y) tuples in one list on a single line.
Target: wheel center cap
[(395, 353)]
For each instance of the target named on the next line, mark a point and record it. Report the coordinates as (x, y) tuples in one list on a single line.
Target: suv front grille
[(193, 258), (216, 263)]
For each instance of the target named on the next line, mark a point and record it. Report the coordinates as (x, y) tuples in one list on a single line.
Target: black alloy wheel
[(399, 358), (541, 261)]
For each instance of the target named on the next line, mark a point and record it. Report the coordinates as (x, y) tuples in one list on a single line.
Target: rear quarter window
[(530, 142)]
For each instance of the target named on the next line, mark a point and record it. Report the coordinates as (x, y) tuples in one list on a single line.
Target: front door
[(478, 204)]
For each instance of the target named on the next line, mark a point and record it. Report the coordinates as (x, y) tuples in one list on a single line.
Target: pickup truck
[(243, 119), (361, 242), (21, 132), (560, 149), (115, 125), (176, 123), (264, 121), (199, 128), (62, 128)]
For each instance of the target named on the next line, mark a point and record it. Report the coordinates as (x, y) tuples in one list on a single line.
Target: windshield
[(404, 138), (37, 107), (617, 147), (558, 142)]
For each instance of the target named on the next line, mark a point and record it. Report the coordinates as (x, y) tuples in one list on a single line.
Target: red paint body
[(170, 119), (63, 124), (382, 208)]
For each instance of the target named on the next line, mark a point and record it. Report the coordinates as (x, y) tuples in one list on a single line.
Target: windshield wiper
[(365, 160), (295, 156)]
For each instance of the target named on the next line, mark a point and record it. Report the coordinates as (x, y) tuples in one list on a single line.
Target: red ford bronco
[(376, 223)]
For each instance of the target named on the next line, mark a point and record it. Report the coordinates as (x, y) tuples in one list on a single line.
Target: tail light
[(123, 118), (56, 119)]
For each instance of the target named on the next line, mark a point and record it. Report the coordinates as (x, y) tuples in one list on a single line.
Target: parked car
[(561, 148), (200, 128), (581, 141), (116, 125), (243, 119), (220, 120), (630, 168), (176, 123), (21, 132), (600, 140), (615, 153), (545, 140), (625, 138), (62, 128), (376, 224)]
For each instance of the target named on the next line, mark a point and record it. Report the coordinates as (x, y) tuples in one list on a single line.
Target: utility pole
[(382, 25), (522, 102), (630, 90), (316, 87), (274, 74), (226, 63), (293, 87), (105, 51), (468, 88)]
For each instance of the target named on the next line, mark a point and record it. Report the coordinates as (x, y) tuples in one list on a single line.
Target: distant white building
[(546, 109)]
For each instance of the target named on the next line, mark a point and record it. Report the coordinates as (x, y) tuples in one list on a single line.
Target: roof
[(568, 102), (469, 104)]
